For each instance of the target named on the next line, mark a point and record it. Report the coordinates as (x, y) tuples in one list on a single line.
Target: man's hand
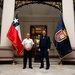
[(28, 49), (39, 49), (48, 50)]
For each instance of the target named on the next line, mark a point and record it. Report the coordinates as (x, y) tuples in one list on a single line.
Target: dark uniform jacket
[(45, 42)]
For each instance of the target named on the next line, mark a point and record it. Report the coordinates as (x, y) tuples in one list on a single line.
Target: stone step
[(53, 61)]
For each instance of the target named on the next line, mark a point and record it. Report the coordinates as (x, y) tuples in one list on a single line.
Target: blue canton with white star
[(15, 21)]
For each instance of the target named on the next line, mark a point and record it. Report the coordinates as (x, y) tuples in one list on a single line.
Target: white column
[(7, 18), (68, 17)]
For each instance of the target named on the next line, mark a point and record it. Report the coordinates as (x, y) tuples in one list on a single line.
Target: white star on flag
[(15, 20)]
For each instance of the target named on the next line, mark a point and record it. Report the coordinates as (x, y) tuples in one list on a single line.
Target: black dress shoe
[(31, 67), (41, 67), (24, 67), (47, 68)]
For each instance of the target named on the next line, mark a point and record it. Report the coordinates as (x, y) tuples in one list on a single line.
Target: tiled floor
[(54, 70)]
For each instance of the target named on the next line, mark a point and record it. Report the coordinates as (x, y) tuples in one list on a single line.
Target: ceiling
[(41, 0), (38, 10)]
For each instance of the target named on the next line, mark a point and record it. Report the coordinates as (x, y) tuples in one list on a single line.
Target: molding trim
[(6, 62), (68, 62)]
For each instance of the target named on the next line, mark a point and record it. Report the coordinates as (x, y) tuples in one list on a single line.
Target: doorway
[(35, 32)]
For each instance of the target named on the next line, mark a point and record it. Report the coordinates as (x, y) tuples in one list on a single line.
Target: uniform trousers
[(29, 55), (44, 54)]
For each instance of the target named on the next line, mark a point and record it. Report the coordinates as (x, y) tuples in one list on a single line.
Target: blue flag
[(61, 39)]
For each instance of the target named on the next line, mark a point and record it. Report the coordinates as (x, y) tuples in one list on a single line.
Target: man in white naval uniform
[(27, 44)]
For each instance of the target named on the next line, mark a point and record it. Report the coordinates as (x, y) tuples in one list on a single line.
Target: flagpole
[(16, 11), (15, 38)]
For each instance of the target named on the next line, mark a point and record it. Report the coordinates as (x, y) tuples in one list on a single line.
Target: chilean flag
[(15, 36)]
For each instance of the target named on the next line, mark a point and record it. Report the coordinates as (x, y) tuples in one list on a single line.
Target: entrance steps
[(53, 61)]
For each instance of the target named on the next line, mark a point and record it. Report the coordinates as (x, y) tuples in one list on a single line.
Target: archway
[(56, 4), (27, 21)]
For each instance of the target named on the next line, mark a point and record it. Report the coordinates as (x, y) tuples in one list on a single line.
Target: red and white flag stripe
[(14, 35)]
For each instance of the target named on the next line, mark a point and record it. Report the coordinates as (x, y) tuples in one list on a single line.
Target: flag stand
[(60, 63), (13, 55), (14, 58)]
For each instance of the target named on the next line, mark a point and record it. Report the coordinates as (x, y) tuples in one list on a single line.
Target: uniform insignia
[(61, 35)]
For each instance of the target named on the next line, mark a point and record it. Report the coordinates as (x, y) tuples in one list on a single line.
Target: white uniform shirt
[(27, 43)]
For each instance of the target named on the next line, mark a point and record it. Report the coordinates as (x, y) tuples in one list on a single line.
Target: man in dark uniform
[(44, 48)]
